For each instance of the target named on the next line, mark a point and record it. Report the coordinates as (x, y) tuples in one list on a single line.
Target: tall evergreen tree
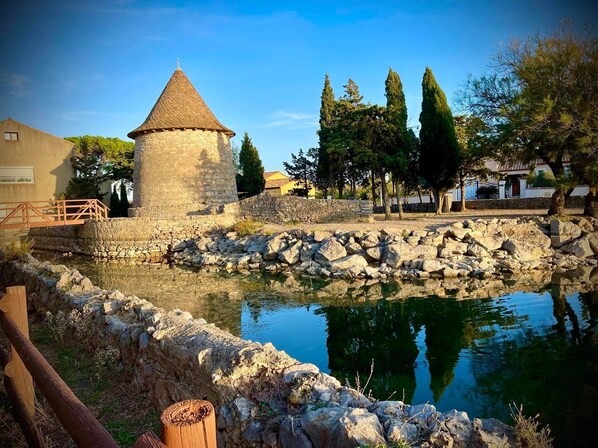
[(124, 201), (325, 170), (439, 151), (114, 204), (252, 180), (396, 110)]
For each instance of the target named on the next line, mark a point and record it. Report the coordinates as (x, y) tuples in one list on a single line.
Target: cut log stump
[(189, 424)]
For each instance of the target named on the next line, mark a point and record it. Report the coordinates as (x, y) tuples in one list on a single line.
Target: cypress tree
[(439, 151), (325, 172), (114, 204), (396, 109), (252, 180), (124, 201)]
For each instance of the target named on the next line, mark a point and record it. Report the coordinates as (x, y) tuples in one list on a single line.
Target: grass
[(246, 227), (15, 250), (528, 431), (97, 381)]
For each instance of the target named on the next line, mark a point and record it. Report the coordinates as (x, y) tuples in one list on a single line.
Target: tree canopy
[(540, 102), (251, 181), (439, 151), (96, 160)]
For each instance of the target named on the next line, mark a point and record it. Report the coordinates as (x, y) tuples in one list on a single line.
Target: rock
[(321, 235), (526, 232), (225, 419), (492, 433), (299, 371), (330, 250), (274, 246), (386, 410), (459, 233), (291, 255), (342, 427), (488, 241), (450, 273), (476, 250), (580, 248), (375, 253), (585, 225), (253, 431), (563, 232), (371, 272), (243, 408), (399, 431), (455, 247), (593, 240), (421, 413), (432, 266), (398, 253), (371, 239), (291, 435), (353, 248), (348, 262), (524, 251)]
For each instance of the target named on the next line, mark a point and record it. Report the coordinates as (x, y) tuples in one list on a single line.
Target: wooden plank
[(14, 305)]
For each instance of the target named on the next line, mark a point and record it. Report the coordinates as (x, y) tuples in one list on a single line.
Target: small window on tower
[(11, 136)]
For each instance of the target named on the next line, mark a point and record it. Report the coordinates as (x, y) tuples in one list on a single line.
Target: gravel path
[(427, 221)]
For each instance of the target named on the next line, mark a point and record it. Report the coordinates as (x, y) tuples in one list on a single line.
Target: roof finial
[(178, 64)]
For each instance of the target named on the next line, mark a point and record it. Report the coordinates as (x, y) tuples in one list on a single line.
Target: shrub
[(528, 430), (15, 250), (544, 179), (487, 192), (247, 227)]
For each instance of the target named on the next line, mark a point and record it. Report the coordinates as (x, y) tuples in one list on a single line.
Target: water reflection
[(538, 348)]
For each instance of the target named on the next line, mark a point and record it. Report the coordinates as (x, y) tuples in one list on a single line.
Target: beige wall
[(47, 154), (187, 169)]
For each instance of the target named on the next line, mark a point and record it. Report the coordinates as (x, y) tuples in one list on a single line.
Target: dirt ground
[(426, 221)]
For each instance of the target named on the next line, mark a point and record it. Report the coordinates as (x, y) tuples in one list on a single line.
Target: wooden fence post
[(189, 424), (14, 304)]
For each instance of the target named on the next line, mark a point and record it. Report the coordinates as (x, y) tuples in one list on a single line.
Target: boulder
[(432, 266), (524, 251), (593, 241), (321, 235), (487, 241), (274, 246), (399, 431), (342, 427), (353, 248), (291, 435), (291, 255), (563, 232), (375, 253), (348, 262), (491, 432), (526, 232), (397, 253), (580, 248), (371, 239), (330, 250)]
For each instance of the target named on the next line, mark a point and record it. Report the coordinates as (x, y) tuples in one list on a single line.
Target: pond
[(531, 342)]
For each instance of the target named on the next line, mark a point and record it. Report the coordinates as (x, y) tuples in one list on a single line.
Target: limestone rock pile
[(479, 249)]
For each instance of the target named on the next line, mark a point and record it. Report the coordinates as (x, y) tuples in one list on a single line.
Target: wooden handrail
[(51, 213)]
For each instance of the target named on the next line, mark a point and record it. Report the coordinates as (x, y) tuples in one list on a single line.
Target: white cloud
[(17, 85), (292, 120)]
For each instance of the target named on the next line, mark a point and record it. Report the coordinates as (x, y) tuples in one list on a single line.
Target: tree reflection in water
[(553, 371)]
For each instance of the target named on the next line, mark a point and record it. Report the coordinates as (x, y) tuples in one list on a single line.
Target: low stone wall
[(286, 209), (145, 239), (262, 397), (516, 203)]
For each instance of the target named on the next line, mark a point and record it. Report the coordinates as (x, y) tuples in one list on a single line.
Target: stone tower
[(183, 157)]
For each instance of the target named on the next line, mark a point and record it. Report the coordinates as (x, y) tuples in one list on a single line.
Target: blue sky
[(97, 67)]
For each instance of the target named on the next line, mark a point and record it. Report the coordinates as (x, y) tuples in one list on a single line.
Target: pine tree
[(251, 181), (124, 201), (439, 151), (114, 204), (325, 173), (396, 108)]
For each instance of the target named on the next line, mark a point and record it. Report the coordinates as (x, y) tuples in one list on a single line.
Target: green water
[(534, 344)]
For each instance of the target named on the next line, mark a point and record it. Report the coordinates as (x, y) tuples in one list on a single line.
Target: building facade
[(34, 165), (279, 184)]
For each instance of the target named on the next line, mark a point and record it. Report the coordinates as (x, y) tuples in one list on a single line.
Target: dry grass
[(102, 386), (247, 227), (529, 432), (15, 250)]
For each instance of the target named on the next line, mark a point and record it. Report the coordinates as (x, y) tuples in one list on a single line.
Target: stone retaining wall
[(287, 209), (145, 239), (262, 397)]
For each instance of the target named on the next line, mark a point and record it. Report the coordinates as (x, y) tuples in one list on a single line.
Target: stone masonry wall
[(187, 169), (145, 239), (286, 209), (262, 397)]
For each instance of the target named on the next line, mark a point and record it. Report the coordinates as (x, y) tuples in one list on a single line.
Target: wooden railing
[(62, 212), (190, 423)]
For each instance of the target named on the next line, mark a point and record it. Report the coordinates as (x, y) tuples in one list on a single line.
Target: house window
[(11, 136), (16, 175)]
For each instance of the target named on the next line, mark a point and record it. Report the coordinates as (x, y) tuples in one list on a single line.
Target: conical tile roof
[(180, 107)]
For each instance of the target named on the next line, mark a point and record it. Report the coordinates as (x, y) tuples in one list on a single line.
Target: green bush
[(487, 192), (15, 250), (543, 179), (247, 227)]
